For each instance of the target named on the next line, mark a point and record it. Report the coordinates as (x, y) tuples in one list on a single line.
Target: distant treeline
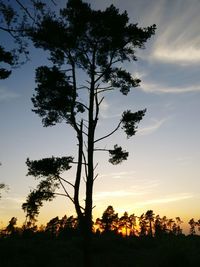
[(147, 224)]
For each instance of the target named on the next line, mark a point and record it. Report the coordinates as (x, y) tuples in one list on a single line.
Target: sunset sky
[(163, 169)]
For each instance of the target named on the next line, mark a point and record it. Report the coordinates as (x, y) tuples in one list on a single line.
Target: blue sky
[(162, 172)]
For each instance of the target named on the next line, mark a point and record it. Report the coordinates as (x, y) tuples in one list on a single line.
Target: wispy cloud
[(113, 194), (157, 88), (141, 187), (119, 175), (183, 160), (166, 199), (14, 199), (156, 124), (178, 35), (7, 95), (11, 202), (106, 112), (184, 55)]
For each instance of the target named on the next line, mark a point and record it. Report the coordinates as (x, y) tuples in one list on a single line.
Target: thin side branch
[(67, 194), (95, 177), (105, 90), (106, 136), (101, 149), (96, 166), (76, 162), (25, 9), (66, 181)]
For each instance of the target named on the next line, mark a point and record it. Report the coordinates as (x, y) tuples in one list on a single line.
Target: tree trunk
[(90, 176)]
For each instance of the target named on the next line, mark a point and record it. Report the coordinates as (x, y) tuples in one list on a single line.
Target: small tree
[(192, 224), (143, 225), (124, 223), (133, 224), (158, 227), (10, 229), (149, 217), (109, 220)]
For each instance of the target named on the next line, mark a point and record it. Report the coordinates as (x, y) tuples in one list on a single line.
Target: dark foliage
[(117, 155), (54, 96), (48, 166), (8, 58), (130, 121)]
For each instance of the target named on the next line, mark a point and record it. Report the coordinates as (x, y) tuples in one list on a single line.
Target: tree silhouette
[(53, 226), (192, 224), (143, 225), (94, 43), (149, 217), (109, 220), (124, 223), (10, 229), (176, 228), (132, 223), (127, 223), (198, 225)]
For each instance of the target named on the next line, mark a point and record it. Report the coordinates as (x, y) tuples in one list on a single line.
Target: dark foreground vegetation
[(129, 240), (107, 250)]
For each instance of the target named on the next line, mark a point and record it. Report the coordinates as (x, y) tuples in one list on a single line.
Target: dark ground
[(107, 251)]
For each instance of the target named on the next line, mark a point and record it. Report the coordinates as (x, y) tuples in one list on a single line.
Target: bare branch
[(95, 177), (76, 162), (96, 166), (83, 87), (64, 195), (53, 2), (105, 90), (106, 136), (101, 101), (101, 149), (25, 9), (67, 194), (66, 181)]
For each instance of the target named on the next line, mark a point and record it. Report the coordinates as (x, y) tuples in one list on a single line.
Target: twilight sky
[(162, 172)]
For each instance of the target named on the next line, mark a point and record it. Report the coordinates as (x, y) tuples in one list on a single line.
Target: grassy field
[(183, 251)]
